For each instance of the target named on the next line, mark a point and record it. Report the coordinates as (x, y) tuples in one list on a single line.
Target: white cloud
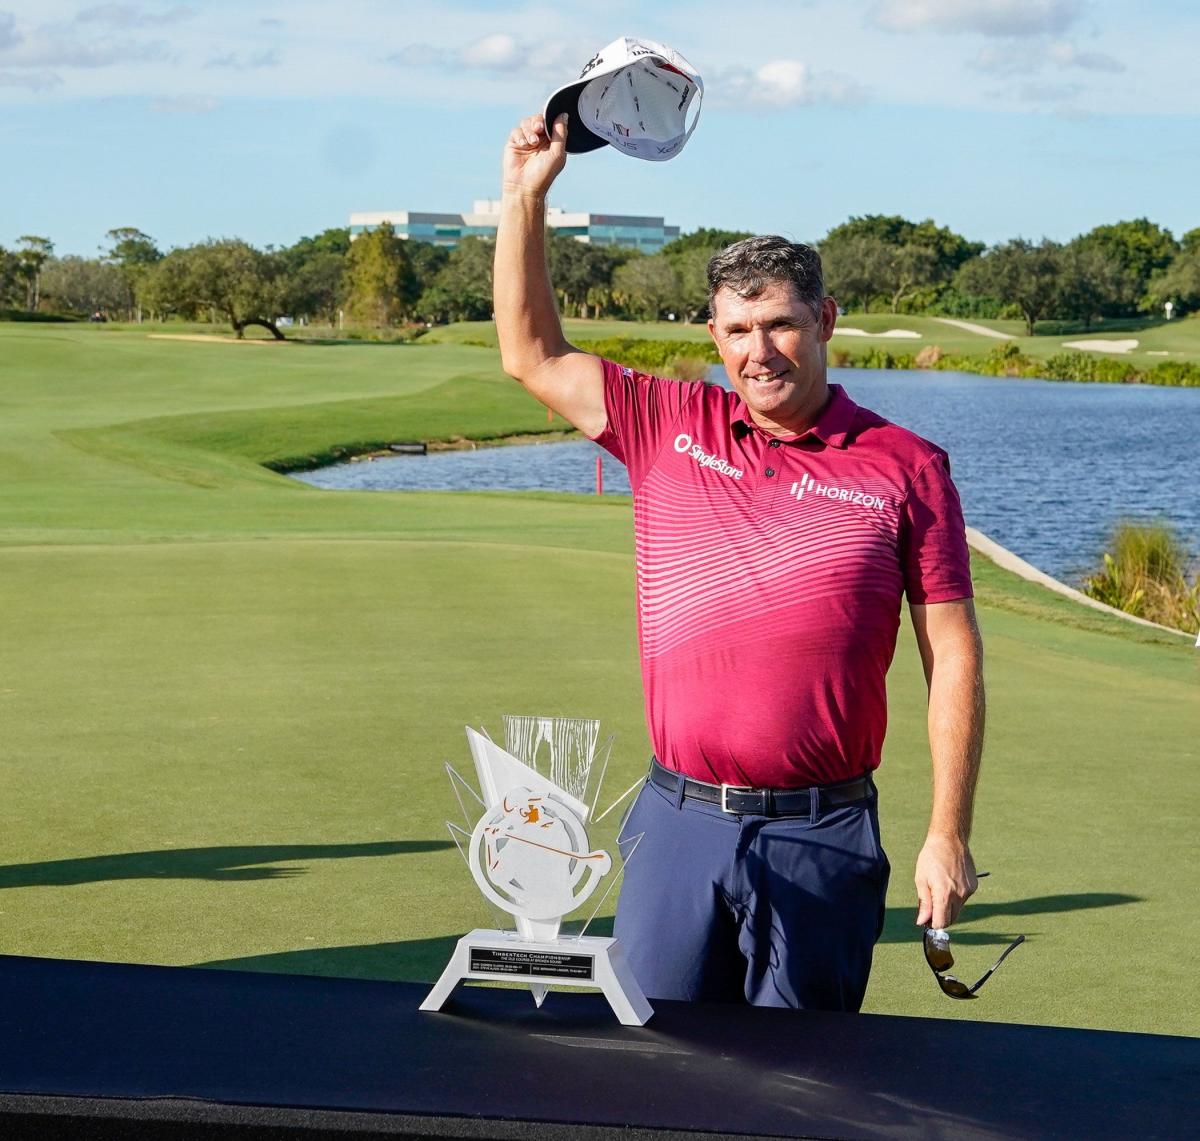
[(1018, 57), (499, 53), (502, 52), (236, 61), (185, 105), (52, 48), (30, 80), (776, 83), (1009, 59), (782, 83), (1060, 99), (511, 55), (987, 17), (1047, 92), (71, 45), (1068, 55), (9, 36), (132, 16)]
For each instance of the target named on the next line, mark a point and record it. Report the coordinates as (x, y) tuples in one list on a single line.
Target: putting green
[(227, 698)]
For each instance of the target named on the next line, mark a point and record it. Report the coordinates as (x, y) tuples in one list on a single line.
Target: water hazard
[(1045, 469)]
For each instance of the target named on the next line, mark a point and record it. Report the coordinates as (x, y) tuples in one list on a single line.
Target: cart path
[(971, 327)]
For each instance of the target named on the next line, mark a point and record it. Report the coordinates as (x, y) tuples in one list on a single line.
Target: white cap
[(634, 95)]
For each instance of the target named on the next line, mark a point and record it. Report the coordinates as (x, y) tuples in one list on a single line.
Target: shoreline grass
[(1148, 573)]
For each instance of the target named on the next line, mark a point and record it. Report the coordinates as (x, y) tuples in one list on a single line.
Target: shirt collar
[(832, 427)]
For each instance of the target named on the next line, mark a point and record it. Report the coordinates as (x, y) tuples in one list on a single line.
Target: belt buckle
[(725, 790)]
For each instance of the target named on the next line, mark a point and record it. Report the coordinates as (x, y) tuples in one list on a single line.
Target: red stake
[(599, 476)]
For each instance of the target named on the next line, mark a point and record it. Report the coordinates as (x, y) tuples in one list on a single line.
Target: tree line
[(380, 280)]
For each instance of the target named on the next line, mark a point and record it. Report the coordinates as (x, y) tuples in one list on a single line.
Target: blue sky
[(269, 120)]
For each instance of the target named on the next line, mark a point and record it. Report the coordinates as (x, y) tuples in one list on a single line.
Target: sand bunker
[(1102, 346), (841, 330)]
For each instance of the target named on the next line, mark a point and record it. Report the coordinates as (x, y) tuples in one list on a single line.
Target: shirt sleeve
[(641, 412), (934, 554)]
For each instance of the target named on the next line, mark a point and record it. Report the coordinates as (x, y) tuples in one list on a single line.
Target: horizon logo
[(842, 494), (685, 446)]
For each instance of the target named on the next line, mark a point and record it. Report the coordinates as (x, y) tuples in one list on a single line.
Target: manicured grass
[(227, 697), (1179, 339)]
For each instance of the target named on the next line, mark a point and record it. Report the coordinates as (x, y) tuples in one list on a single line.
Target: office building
[(629, 230)]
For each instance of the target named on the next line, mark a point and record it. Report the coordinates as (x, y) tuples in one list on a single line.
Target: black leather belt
[(740, 801)]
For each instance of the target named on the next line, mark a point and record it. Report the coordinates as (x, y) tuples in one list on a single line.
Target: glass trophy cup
[(529, 855)]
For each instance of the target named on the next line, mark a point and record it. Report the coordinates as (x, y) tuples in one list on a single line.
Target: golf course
[(1139, 342), (227, 698)]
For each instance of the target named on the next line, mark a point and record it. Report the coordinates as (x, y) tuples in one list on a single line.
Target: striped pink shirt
[(770, 574)]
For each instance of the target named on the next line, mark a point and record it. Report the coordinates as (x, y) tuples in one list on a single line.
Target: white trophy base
[(589, 961)]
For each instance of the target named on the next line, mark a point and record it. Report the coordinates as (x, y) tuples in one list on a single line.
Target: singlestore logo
[(685, 446), (810, 486)]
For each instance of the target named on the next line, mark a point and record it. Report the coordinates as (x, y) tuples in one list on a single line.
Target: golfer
[(778, 529)]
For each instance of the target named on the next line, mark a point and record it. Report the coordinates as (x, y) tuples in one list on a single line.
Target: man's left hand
[(945, 880)]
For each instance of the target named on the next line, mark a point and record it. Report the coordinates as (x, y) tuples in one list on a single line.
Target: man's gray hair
[(748, 267)]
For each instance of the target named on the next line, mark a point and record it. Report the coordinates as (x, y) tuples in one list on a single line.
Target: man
[(777, 528)]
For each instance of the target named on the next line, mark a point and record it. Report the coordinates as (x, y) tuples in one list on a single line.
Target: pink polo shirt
[(770, 574)]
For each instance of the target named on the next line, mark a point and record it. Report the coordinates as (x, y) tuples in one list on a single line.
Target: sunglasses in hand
[(940, 960)]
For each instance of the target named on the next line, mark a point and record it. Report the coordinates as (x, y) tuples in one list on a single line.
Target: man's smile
[(766, 377)]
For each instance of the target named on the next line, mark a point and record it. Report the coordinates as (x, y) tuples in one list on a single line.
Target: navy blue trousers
[(774, 911)]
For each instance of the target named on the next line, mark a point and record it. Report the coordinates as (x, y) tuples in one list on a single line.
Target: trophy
[(529, 855)]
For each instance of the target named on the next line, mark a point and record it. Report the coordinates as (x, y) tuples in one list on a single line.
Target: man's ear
[(829, 315)]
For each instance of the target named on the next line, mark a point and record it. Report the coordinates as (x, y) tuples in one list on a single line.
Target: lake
[(1044, 468)]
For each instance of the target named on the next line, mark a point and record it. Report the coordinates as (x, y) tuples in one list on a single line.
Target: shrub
[(1006, 360), (43, 318), (1110, 370), (929, 356), (401, 335), (1176, 374), (651, 356), (950, 362), (878, 357), (1145, 573), (688, 366), (1089, 367)]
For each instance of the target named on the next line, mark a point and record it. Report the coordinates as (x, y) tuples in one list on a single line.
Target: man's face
[(773, 348)]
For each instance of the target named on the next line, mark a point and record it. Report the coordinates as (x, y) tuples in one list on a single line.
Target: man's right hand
[(534, 158)]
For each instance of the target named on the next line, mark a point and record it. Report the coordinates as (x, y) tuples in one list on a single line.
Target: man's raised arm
[(533, 348)]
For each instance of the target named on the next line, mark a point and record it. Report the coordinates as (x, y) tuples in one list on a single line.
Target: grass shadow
[(236, 863), (898, 927), (1099, 328), (411, 960), (422, 960), (352, 342)]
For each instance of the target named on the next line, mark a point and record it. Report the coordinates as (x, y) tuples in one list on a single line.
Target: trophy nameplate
[(529, 855)]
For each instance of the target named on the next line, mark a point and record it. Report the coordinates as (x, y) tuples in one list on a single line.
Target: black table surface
[(87, 1030)]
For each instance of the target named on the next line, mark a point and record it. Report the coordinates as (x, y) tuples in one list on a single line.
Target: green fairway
[(227, 697)]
